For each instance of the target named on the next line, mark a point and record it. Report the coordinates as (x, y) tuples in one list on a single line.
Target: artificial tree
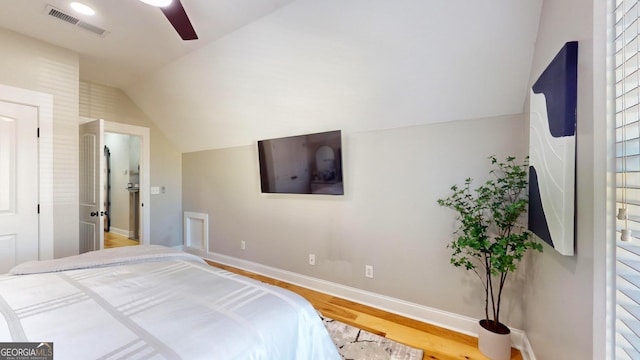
[(490, 239)]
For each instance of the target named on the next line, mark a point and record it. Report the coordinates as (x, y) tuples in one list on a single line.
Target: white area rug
[(357, 344)]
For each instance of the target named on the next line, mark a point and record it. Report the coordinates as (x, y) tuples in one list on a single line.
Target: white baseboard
[(445, 319), (527, 350), (121, 232)]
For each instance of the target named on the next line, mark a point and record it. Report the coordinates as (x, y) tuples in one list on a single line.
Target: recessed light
[(157, 3), (82, 8)]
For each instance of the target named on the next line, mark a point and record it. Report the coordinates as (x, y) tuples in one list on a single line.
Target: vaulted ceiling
[(267, 68)]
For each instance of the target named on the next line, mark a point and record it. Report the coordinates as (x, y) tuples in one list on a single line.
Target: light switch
[(155, 190)]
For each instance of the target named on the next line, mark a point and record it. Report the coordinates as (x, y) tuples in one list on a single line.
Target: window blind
[(627, 99)]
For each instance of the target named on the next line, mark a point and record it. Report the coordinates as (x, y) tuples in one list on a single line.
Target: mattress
[(152, 302)]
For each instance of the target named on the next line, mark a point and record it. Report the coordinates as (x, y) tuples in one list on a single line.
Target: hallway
[(112, 240)]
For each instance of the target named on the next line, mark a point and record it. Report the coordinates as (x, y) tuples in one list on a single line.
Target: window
[(627, 99)]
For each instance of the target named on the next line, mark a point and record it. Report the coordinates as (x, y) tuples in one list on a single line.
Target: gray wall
[(388, 216), (565, 302)]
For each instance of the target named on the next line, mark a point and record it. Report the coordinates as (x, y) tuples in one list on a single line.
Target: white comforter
[(122, 305)]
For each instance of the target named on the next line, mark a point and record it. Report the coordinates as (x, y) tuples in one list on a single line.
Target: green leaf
[(489, 237)]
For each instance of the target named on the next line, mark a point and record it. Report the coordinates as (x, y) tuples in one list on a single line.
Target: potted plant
[(491, 242)]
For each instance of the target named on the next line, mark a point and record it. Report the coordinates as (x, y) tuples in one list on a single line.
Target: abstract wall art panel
[(552, 151)]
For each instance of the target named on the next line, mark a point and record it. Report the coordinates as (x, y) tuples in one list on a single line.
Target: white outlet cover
[(368, 271)]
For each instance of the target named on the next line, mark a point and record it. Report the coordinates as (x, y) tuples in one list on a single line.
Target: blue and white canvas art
[(552, 151)]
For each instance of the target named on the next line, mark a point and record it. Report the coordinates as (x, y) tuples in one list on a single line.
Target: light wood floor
[(437, 343), (112, 240)]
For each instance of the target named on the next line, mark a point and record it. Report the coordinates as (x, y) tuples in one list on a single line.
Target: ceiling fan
[(177, 16)]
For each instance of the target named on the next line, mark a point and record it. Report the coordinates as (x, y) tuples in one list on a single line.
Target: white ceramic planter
[(493, 345)]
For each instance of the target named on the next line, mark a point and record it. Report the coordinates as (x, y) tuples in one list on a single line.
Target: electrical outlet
[(312, 259), (243, 245), (368, 271)]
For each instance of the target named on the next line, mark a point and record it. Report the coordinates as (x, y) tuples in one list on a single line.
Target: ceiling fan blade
[(178, 18)]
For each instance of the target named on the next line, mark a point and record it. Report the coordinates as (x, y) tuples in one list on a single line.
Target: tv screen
[(304, 164)]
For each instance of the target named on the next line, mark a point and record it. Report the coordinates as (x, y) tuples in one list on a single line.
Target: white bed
[(152, 302)]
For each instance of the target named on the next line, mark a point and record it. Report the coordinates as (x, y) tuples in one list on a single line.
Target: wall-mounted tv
[(304, 164)]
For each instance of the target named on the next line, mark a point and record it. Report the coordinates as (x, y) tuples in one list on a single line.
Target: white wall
[(357, 65), (34, 65), (564, 316), (388, 216)]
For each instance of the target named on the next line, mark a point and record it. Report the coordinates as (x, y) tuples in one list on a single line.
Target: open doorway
[(92, 205), (121, 190)]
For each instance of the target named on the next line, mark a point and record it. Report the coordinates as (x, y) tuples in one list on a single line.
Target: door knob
[(94, 213), (102, 213)]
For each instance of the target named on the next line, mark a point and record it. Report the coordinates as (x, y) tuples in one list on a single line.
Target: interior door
[(18, 184), (91, 185)]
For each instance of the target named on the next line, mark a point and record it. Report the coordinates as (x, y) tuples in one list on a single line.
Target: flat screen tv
[(304, 164)]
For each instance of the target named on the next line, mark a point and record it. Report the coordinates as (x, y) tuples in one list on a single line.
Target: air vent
[(61, 15), (92, 28)]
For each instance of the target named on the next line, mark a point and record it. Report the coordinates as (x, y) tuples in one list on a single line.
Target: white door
[(91, 185), (18, 184)]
